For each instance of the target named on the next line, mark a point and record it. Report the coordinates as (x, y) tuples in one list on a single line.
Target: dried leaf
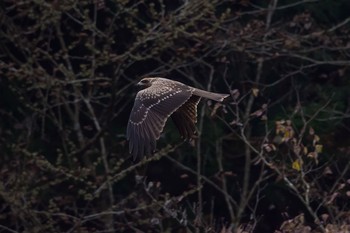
[(297, 224), (237, 123), (316, 139), (319, 148), (305, 150), (257, 113), (341, 186), (324, 217), (229, 173), (235, 94), (288, 134), (277, 140), (313, 155), (255, 91), (184, 176), (327, 171), (269, 147), (297, 165), (279, 127)]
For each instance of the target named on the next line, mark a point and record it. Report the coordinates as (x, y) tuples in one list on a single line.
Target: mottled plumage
[(153, 105)]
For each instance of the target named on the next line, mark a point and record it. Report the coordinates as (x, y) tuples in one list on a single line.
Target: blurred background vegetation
[(273, 158)]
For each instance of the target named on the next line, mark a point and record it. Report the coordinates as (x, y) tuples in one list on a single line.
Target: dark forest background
[(274, 157)]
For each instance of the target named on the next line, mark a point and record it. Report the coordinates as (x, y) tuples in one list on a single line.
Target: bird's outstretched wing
[(152, 108), (185, 117)]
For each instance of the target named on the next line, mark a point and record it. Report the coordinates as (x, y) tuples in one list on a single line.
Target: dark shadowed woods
[(274, 157)]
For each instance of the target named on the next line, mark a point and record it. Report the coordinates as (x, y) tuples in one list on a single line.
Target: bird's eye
[(144, 81)]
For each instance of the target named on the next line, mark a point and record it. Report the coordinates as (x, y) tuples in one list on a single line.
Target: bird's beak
[(139, 84)]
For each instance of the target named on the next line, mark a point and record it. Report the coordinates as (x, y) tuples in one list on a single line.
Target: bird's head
[(145, 82)]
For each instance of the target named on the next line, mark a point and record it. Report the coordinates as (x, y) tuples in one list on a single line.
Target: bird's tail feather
[(210, 95)]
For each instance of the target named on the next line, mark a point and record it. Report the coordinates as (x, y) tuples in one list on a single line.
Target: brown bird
[(153, 105)]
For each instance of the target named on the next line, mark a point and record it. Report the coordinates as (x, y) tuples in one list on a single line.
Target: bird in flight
[(160, 99)]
